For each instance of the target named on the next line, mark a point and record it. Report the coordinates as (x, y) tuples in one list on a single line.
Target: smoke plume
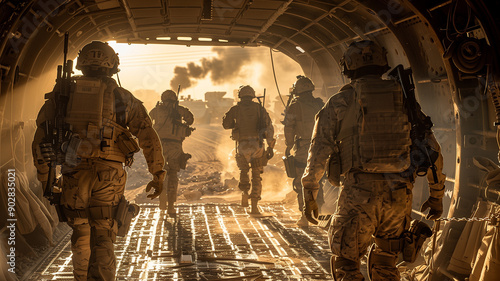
[(225, 67)]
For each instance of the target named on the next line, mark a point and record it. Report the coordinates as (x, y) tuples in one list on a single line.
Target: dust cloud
[(149, 98), (275, 183)]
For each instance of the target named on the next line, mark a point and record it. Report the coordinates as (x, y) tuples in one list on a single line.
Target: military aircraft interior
[(451, 46)]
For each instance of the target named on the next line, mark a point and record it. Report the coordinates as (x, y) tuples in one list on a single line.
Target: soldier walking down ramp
[(250, 124), (299, 124), (369, 125), (99, 122), (172, 122)]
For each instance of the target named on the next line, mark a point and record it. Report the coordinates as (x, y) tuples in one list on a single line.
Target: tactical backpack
[(247, 121)]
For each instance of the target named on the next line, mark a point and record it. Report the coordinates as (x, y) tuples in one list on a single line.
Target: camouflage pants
[(297, 184), (172, 151), (249, 157), (369, 206), (92, 184), (300, 150)]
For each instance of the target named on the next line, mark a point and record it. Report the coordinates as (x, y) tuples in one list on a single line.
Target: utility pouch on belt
[(333, 169), (414, 238), (183, 159), (124, 215), (289, 161)]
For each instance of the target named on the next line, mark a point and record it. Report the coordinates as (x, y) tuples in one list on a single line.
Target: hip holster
[(414, 238), (124, 214)]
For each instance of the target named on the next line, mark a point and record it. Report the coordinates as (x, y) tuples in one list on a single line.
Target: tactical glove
[(157, 185), (311, 209), (436, 206), (47, 152), (269, 153)]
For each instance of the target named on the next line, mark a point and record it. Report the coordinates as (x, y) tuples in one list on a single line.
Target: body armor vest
[(91, 114), (375, 133), (164, 123), (306, 120), (247, 121)]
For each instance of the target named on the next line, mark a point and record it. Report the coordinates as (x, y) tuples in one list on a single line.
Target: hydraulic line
[(275, 80)]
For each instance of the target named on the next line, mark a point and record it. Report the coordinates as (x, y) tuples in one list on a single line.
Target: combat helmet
[(364, 55), (246, 91), (303, 84), (168, 95), (97, 58)]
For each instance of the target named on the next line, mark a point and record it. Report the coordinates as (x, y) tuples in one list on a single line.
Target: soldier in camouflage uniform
[(373, 203), (102, 117), (172, 122), (250, 124), (299, 124)]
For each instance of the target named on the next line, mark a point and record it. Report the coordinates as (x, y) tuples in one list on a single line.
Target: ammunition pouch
[(414, 238), (124, 214), (128, 146), (333, 170), (241, 162), (71, 151), (183, 159), (289, 162)]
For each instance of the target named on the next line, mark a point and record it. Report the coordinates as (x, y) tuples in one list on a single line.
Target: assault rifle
[(57, 131), (288, 102), (262, 122), (421, 154), (177, 118)]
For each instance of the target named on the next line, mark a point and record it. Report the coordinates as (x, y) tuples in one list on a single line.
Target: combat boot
[(244, 199), (255, 208), (302, 222)]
